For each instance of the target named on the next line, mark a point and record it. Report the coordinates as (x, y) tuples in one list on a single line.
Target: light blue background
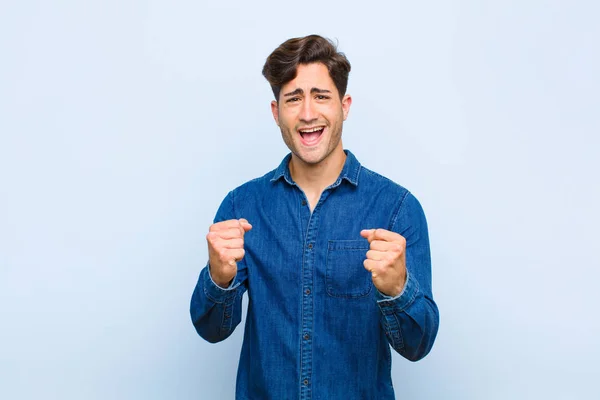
[(124, 123)]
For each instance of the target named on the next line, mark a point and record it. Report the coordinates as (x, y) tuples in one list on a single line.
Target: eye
[(293, 100), (322, 97)]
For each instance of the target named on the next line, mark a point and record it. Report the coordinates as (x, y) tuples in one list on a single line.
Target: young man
[(335, 258)]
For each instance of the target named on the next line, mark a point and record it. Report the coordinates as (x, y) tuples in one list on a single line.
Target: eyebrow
[(312, 91)]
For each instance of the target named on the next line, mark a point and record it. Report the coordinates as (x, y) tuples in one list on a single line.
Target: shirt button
[(310, 245), (306, 336), (307, 292), (305, 382), (303, 202)]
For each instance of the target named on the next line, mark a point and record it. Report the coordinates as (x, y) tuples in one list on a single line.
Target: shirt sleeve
[(411, 319), (216, 311)]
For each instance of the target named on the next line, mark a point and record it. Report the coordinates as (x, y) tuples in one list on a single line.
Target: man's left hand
[(386, 260)]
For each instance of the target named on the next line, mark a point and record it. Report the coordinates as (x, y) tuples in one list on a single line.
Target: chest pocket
[(345, 274)]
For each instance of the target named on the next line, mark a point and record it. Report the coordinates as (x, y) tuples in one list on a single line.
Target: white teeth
[(311, 129)]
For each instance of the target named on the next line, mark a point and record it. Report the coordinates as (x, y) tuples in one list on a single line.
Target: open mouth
[(311, 136)]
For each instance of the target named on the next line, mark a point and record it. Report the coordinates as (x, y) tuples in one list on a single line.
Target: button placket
[(308, 302), (306, 348)]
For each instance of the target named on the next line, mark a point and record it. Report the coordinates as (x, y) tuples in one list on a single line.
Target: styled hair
[(282, 64)]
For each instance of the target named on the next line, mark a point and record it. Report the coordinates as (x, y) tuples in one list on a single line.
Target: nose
[(308, 113)]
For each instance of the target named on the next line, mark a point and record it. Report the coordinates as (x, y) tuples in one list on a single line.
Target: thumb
[(245, 224), (368, 234)]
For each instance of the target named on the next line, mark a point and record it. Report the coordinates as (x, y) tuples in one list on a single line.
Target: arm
[(411, 319), (400, 262), (216, 311)]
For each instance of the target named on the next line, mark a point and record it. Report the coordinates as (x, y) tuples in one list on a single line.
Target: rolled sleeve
[(216, 293), (389, 304)]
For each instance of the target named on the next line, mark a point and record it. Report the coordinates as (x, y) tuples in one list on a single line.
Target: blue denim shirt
[(316, 326)]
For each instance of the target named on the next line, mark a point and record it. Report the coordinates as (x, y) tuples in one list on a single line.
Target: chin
[(312, 157), (312, 161)]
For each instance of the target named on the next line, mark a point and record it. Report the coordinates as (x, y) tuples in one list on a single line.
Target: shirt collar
[(350, 171)]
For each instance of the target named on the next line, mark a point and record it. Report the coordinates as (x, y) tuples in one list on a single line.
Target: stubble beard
[(335, 137)]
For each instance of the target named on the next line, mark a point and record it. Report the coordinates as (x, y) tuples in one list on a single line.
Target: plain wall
[(123, 124)]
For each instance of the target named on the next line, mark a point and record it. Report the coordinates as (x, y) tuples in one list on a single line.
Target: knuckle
[(212, 240), (223, 255), (217, 226)]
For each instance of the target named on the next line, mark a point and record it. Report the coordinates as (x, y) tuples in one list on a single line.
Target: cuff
[(216, 293), (403, 300)]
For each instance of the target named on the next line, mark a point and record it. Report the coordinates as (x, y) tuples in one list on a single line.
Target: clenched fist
[(225, 248), (386, 260)]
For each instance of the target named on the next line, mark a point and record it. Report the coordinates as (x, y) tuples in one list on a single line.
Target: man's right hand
[(225, 248)]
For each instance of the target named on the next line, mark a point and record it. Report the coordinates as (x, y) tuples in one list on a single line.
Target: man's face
[(310, 114)]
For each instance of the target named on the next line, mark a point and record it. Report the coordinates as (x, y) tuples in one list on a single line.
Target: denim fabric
[(316, 326)]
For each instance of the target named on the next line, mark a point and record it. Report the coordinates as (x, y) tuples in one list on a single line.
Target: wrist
[(222, 282), (395, 290)]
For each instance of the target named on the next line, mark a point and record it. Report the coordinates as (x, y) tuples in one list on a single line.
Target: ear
[(275, 111), (346, 103)]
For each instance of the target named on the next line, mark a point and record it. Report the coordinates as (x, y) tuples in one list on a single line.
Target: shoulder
[(380, 184), (407, 216), (254, 186), (394, 195)]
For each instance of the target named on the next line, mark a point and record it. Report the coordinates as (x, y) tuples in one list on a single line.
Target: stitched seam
[(332, 248), (412, 298), (347, 248), (358, 174), (226, 323), (395, 217), (383, 177), (340, 245), (401, 344), (211, 297), (376, 174), (233, 202), (406, 192)]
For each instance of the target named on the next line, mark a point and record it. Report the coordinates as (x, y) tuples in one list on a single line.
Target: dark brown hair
[(282, 65)]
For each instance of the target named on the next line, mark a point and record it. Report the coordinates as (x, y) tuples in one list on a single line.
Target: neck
[(314, 178)]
